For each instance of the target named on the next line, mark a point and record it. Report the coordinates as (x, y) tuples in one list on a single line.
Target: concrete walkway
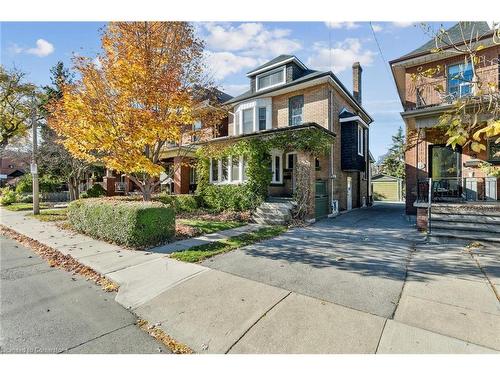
[(438, 306), (205, 239)]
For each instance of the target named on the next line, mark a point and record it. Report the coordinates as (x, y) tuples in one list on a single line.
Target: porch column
[(181, 176), (109, 183), (306, 181)]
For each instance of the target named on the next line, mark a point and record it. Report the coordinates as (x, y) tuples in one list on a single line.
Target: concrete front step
[(466, 218), (266, 211), (466, 235), (459, 226), (465, 209)]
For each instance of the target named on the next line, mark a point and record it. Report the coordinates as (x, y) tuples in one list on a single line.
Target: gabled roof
[(385, 177), (281, 59), (474, 29)]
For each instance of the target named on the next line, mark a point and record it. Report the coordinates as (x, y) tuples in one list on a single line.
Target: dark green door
[(321, 199)]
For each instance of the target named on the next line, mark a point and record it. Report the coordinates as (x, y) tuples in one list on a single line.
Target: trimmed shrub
[(47, 184), (95, 191), (25, 198), (8, 197), (180, 202), (135, 224), (230, 197)]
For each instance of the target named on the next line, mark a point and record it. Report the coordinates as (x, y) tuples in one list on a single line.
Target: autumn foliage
[(138, 94)]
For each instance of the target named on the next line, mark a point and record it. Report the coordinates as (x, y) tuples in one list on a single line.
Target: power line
[(380, 50)]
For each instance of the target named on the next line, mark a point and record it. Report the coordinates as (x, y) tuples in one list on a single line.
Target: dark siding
[(293, 71), (350, 160), (253, 84)]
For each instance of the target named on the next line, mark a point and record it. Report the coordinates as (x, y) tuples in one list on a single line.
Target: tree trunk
[(147, 190)]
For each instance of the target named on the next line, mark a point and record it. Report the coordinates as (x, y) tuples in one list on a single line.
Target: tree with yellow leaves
[(137, 96)]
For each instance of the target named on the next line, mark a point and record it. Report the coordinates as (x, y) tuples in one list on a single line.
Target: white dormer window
[(272, 78)]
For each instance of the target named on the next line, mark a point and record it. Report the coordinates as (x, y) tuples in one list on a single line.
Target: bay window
[(262, 118), (247, 120), (235, 168)]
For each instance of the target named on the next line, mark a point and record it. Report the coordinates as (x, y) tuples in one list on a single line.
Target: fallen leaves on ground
[(57, 259), (153, 330), (183, 231)]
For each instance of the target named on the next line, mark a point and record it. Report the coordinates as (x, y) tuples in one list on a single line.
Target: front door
[(445, 170), (349, 193)]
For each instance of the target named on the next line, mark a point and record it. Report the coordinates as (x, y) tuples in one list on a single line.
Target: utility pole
[(34, 166)]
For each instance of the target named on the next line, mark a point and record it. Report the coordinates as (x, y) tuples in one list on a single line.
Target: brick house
[(456, 174), (286, 96)]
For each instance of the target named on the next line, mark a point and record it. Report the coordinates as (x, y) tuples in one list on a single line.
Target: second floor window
[(262, 118), (460, 80), (196, 131), (361, 141), (493, 151), (247, 120), (295, 110)]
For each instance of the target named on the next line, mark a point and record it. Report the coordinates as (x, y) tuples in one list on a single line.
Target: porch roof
[(262, 133)]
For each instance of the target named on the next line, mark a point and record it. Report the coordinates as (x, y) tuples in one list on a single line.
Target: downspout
[(332, 159)]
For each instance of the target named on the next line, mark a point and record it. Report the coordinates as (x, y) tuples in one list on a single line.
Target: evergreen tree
[(394, 163)]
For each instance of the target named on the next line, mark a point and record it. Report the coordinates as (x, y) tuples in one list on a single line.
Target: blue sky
[(235, 48)]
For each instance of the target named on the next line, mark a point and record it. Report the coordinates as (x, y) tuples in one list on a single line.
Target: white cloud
[(222, 64), (403, 24), (377, 28), (341, 25), (250, 39), (341, 57), (42, 49)]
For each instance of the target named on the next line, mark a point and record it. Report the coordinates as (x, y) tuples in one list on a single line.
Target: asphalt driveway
[(357, 260)]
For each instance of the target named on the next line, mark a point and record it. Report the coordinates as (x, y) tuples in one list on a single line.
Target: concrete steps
[(274, 212), (479, 222)]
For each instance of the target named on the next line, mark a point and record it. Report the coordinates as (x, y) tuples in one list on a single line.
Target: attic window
[(269, 79)]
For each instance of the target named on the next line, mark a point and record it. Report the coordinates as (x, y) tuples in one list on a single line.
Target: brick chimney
[(356, 81)]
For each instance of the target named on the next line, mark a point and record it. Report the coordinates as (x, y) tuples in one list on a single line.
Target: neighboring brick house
[(285, 96), (11, 169), (456, 174)]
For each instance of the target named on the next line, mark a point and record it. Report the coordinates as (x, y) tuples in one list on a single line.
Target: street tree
[(16, 103), (53, 158), (137, 96)]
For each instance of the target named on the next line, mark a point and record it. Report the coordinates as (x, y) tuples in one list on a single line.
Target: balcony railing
[(120, 187), (456, 189)]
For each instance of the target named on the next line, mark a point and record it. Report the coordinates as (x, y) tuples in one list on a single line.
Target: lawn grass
[(23, 206), (202, 252), (209, 226), (52, 215)]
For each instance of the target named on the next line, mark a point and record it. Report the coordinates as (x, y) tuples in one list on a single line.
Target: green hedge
[(180, 202), (230, 197), (95, 191), (136, 224)]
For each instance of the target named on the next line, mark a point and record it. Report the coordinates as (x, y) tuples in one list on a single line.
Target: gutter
[(307, 125)]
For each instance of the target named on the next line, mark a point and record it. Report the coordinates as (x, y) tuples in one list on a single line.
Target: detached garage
[(387, 188)]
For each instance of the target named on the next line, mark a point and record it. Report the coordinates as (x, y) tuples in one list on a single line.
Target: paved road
[(47, 310), (357, 260)]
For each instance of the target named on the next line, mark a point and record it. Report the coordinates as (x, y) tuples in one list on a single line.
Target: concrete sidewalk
[(216, 312)]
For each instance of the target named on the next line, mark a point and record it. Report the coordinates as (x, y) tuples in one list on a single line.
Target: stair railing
[(429, 208)]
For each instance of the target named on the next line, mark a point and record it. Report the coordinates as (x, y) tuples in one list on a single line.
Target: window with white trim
[(228, 170), (295, 110), (269, 79), (214, 170), (244, 167), (277, 168), (196, 131), (361, 141), (192, 175), (247, 115), (262, 118), (235, 168)]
